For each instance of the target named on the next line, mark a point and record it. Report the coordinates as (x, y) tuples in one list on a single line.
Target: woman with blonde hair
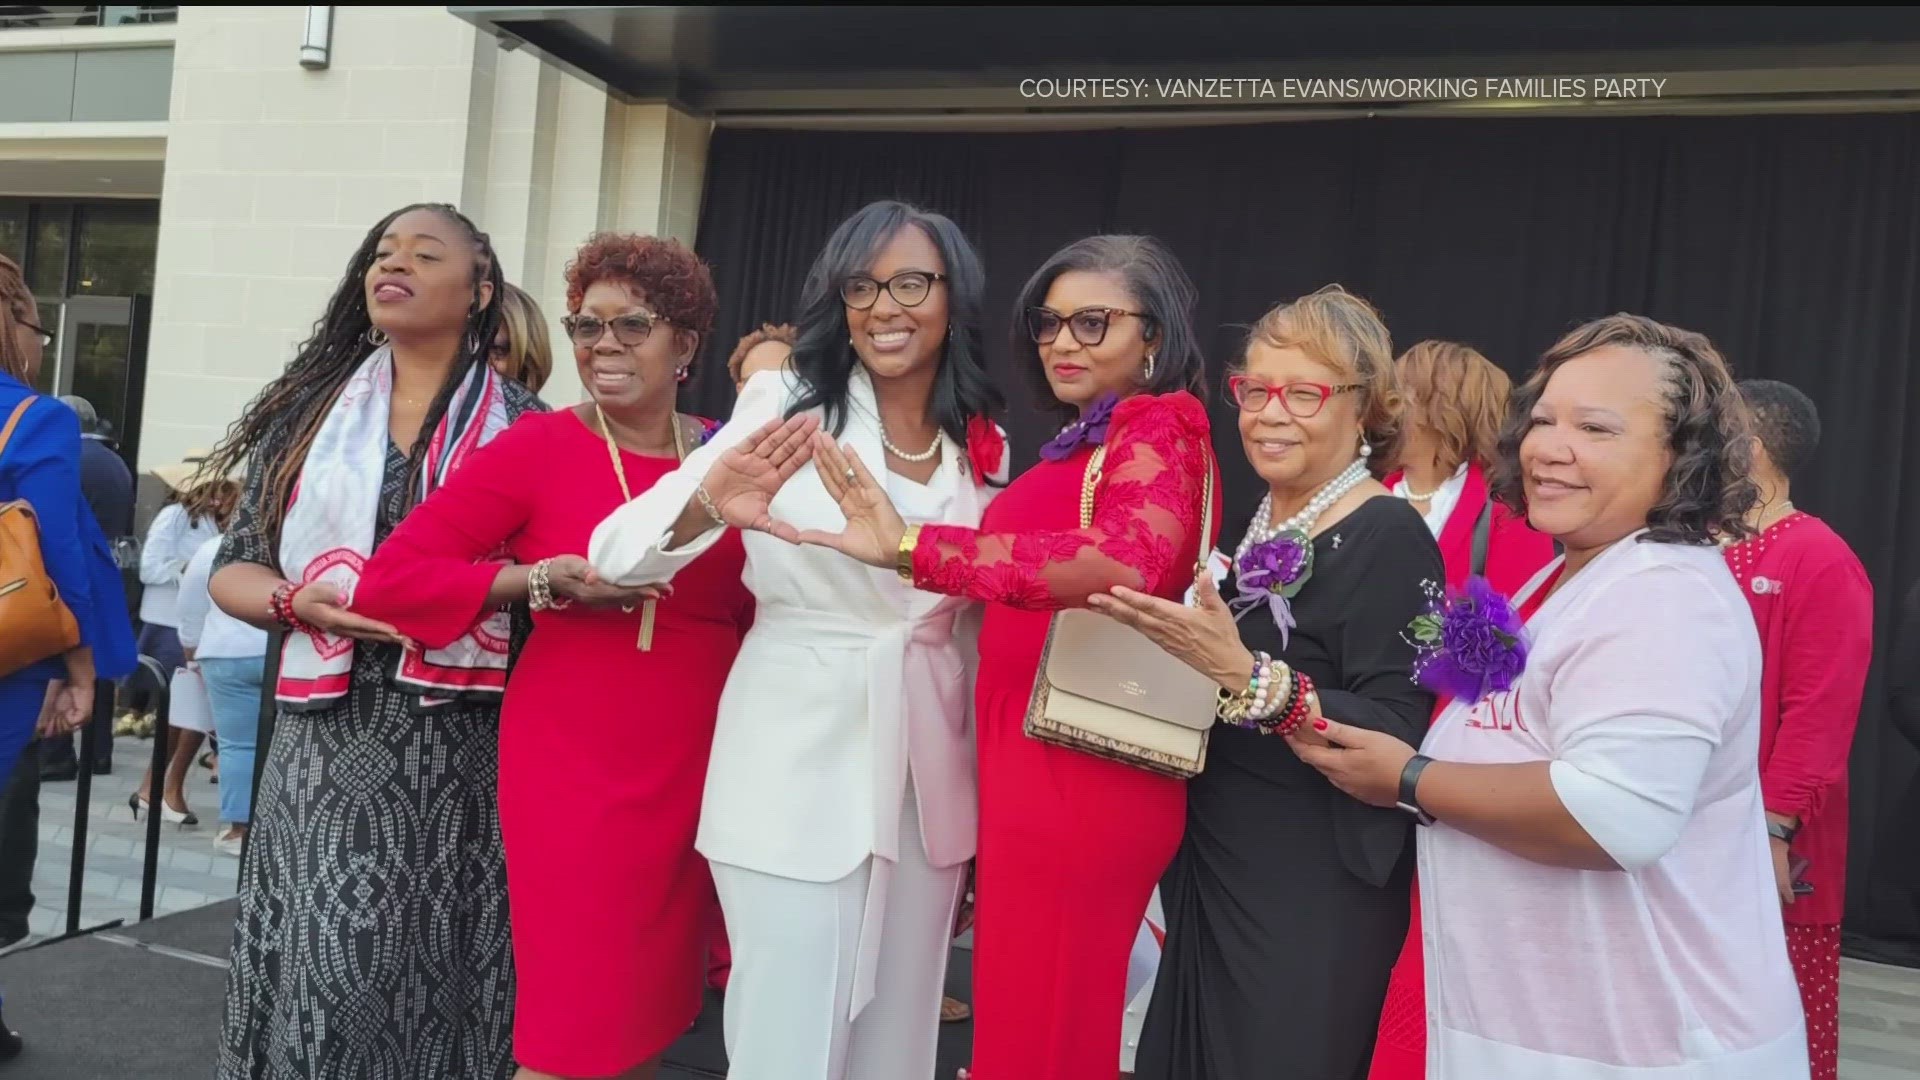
[(1456, 401), (1287, 900), (521, 349)]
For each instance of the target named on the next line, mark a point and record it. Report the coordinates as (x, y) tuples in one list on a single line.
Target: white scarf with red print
[(329, 528)]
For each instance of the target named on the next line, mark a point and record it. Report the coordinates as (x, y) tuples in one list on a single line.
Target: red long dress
[(1071, 846), (1515, 552), (603, 747), (1813, 604)]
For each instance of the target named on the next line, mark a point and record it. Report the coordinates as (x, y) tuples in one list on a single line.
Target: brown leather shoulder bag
[(34, 623)]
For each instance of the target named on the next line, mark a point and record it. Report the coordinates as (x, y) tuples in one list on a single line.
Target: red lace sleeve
[(1146, 517)]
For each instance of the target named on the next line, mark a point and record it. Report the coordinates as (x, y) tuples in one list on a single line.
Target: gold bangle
[(903, 559)]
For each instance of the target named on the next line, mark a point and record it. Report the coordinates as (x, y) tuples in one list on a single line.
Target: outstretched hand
[(742, 483), (573, 578), (321, 605), (874, 527), (1202, 636)]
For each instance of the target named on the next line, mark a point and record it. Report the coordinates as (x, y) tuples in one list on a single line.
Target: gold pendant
[(646, 627)]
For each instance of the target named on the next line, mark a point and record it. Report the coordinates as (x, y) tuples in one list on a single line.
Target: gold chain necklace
[(1775, 517), (650, 607)]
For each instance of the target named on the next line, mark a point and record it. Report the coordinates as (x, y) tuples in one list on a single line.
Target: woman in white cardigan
[(840, 806), (1596, 873)]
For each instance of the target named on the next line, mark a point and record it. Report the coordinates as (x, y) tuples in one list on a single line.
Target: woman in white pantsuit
[(840, 813)]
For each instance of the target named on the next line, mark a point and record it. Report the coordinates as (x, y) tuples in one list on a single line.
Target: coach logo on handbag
[(1133, 689)]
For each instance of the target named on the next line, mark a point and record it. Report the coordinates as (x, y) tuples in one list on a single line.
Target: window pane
[(47, 272), (117, 247), (100, 370), (13, 231)]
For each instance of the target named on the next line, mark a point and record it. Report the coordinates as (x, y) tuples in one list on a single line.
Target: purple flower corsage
[(1470, 643), (1272, 573), (707, 428), (1089, 430)]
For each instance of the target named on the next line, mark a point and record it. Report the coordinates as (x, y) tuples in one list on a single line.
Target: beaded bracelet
[(281, 606), (1267, 689), (1299, 707)]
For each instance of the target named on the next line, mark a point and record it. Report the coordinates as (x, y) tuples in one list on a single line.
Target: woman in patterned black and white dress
[(372, 940)]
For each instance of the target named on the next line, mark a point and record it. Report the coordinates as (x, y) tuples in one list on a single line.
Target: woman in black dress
[(371, 941), (1287, 902)]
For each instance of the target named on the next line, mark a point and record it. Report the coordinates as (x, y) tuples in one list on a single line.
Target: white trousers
[(795, 945)]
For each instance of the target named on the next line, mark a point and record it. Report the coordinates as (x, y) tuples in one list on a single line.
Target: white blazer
[(847, 676)]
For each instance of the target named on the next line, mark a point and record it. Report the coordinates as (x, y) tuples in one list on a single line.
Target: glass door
[(98, 353)]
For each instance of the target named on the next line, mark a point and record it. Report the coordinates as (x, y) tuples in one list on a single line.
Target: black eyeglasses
[(628, 330), (46, 339), (909, 288), (1088, 325)]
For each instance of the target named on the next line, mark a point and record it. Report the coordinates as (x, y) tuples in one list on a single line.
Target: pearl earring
[(1365, 450)]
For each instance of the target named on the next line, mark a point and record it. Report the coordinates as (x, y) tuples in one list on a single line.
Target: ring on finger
[(851, 475)]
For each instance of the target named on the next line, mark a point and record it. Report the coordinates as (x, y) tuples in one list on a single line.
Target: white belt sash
[(886, 648)]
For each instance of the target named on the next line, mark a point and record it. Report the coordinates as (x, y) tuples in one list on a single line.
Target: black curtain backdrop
[(1794, 243)]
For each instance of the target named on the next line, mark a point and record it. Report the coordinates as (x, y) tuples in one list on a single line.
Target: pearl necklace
[(1259, 532), (924, 455)]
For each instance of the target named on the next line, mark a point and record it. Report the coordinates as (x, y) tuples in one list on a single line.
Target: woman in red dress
[(599, 789), (1814, 606), (1456, 402), (1070, 845)]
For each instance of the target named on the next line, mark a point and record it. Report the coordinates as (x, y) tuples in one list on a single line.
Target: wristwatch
[(1782, 833), (1409, 784)]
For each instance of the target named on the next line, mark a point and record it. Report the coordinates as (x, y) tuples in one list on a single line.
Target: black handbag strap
[(1482, 527)]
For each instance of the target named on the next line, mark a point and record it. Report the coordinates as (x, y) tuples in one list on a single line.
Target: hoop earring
[(375, 336), (1146, 376), (473, 343)]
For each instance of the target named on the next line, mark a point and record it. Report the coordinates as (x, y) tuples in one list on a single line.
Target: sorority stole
[(329, 528)]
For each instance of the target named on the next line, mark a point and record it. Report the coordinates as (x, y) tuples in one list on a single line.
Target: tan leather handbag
[(34, 623), (1106, 689)]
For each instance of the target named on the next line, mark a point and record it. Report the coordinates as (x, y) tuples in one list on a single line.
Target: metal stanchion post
[(156, 798), (90, 737)]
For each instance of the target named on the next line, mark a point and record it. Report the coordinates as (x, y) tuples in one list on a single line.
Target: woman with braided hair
[(372, 939)]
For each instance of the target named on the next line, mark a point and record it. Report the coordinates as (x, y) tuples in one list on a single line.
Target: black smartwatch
[(1409, 784), (1782, 833)]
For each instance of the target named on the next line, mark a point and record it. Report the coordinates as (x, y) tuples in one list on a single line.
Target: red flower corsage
[(986, 447)]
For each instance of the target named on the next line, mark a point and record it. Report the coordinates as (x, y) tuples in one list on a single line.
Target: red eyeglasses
[(1301, 399)]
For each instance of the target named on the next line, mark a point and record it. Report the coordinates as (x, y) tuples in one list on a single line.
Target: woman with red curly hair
[(608, 899)]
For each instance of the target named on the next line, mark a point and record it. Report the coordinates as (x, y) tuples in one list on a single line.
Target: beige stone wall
[(274, 173)]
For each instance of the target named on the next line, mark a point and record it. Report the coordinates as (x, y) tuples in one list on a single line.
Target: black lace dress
[(372, 939)]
